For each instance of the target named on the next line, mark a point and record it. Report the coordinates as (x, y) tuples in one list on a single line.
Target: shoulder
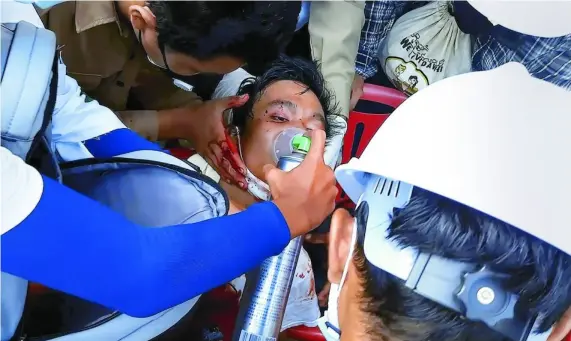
[(22, 187)]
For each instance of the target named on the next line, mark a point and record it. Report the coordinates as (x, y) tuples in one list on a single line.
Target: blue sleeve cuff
[(276, 226)]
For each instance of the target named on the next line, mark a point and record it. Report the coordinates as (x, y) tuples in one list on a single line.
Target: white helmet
[(497, 141), (534, 17)]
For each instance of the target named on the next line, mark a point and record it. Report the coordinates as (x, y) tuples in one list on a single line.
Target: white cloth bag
[(424, 46)]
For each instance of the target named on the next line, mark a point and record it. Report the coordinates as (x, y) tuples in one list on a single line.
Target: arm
[(168, 108), (70, 243), (335, 30), (158, 125), (82, 128), (380, 17)]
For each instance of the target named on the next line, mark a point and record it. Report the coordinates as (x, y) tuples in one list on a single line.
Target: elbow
[(138, 294)]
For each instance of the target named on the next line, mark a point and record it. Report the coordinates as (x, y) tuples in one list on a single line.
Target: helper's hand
[(562, 328), (306, 195), (210, 138), (323, 296), (356, 90), (317, 238)]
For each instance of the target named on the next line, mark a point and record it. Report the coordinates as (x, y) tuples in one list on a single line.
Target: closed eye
[(279, 118)]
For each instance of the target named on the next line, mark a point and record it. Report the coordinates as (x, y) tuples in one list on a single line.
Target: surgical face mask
[(282, 146), (329, 323)]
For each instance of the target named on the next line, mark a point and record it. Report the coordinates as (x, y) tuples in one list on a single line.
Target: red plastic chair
[(182, 153), (362, 126)]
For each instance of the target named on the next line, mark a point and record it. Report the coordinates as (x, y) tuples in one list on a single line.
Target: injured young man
[(288, 99)]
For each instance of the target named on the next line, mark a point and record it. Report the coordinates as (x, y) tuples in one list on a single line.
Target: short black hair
[(287, 69), (252, 31), (431, 223)]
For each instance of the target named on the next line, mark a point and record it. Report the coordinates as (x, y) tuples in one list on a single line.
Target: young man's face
[(281, 105)]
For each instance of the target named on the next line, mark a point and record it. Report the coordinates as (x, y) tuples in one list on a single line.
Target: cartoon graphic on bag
[(424, 46)]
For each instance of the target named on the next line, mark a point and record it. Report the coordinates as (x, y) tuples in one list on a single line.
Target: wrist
[(296, 221)]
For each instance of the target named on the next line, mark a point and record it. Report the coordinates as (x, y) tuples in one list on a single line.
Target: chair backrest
[(362, 126)]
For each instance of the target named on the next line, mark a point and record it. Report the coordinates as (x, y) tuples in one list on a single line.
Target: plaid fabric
[(379, 19), (545, 58)]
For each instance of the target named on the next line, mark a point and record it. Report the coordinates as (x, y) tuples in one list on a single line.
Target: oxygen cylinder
[(264, 303)]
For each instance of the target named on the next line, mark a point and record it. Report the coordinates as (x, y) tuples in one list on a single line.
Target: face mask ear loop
[(239, 142), (350, 256)]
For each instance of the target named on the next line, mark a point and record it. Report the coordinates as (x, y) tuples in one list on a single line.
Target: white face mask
[(329, 323), (257, 187), (282, 146)]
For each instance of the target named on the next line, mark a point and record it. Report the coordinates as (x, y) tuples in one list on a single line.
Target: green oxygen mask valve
[(301, 144)]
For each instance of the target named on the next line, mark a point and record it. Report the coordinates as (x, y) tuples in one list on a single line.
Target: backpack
[(29, 89), (174, 192)]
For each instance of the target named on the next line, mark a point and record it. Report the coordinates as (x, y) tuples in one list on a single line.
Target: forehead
[(286, 90)]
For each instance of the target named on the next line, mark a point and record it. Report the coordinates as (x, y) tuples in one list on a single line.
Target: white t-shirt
[(75, 118), (21, 189)]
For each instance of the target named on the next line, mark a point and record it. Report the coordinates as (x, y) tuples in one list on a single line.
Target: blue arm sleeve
[(118, 142), (74, 244)]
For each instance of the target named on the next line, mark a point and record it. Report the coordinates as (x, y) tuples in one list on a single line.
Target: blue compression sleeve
[(76, 245), (118, 142)]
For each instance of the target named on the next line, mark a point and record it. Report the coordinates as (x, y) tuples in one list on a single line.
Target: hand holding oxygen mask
[(264, 309), (306, 194)]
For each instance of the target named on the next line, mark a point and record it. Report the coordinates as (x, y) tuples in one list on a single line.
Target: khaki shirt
[(335, 32), (103, 54)]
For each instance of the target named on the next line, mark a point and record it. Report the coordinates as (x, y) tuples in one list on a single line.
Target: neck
[(239, 199)]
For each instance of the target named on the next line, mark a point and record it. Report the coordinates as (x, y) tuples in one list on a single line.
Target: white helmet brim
[(537, 18)]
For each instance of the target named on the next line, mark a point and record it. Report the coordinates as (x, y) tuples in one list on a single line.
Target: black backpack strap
[(40, 155)]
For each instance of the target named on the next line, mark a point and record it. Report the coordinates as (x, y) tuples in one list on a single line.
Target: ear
[(142, 18), (341, 231)]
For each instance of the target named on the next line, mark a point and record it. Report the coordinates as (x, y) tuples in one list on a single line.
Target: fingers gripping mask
[(282, 146), (329, 323)]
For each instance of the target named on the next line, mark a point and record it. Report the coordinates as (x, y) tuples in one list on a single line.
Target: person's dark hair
[(253, 31), (287, 69), (434, 224)]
